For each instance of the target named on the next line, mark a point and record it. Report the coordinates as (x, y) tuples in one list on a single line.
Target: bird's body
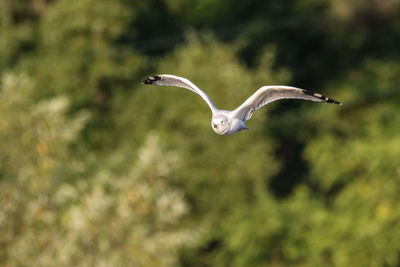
[(225, 122)]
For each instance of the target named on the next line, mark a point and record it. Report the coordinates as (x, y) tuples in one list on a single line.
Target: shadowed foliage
[(99, 170)]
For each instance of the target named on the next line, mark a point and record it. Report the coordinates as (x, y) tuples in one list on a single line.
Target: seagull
[(226, 122)]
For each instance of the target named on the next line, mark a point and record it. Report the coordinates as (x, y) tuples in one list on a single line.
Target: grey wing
[(172, 80), (268, 94)]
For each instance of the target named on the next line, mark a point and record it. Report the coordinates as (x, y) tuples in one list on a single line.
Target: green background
[(98, 170)]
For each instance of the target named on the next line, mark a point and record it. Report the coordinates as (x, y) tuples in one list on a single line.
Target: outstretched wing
[(267, 94), (172, 80)]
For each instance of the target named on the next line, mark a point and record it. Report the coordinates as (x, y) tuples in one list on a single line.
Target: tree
[(62, 205)]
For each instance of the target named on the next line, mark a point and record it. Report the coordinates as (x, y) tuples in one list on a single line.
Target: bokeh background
[(98, 170)]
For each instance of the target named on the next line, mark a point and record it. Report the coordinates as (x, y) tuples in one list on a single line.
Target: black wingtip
[(324, 99), (151, 79), (333, 101)]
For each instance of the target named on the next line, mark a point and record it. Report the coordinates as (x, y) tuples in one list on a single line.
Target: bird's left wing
[(268, 94), (172, 80)]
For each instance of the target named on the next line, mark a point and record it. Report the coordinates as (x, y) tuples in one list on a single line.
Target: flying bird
[(225, 122)]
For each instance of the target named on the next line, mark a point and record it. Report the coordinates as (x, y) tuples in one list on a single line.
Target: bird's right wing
[(267, 94), (172, 80)]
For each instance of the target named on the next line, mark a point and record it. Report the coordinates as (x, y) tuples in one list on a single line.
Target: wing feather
[(268, 94), (172, 80)]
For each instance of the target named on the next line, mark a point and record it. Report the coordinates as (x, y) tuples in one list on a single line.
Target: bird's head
[(220, 124)]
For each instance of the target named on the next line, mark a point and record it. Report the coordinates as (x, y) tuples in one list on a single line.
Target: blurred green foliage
[(97, 170)]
